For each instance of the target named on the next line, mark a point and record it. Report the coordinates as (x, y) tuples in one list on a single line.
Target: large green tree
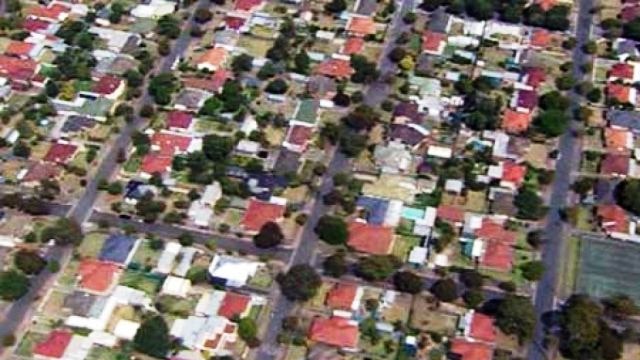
[(627, 194), (377, 267), (152, 337), (332, 229), (13, 285), (515, 316), (300, 283)]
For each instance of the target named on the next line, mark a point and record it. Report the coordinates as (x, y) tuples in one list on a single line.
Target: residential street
[(553, 252), (376, 92)]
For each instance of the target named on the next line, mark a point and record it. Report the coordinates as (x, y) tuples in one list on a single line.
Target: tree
[(515, 316), (583, 186), (363, 117), (29, 262), (232, 96), (115, 188), (63, 231), (242, 63), (332, 229), (248, 330), (408, 281), (530, 205), (445, 290), (51, 89), (532, 270), (473, 298), (21, 149), (216, 147), (377, 267), (554, 100), (336, 264), (472, 279), (277, 86), (168, 26), (267, 71), (627, 195), (186, 239), (365, 71), (152, 337), (565, 82), (480, 9), (161, 88), (335, 6), (13, 285), (594, 95), (620, 307), (300, 283), (270, 235), (202, 15), (631, 29), (302, 62)]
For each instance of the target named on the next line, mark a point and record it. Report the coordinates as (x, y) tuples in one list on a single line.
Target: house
[(370, 238), (615, 165), (108, 86), (407, 112), (168, 257), (470, 350), (234, 305), (525, 100), (433, 43), (126, 329), (322, 87), (393, 158), (179, 120), (261, 212), (344, 296), (213, 59), (154, 9), (247, 5), (515, 122), (176, 286), (618, 140), (155, 163), (60, 153), (97, 276), (232, 271), (335, 331), (410, 134), (616, 223), (353, 45), (540, 38), (361, 26), (19, 72), (478, 327), (22, 50), (54, 12), (54, 345), (118, 249), (534, 76), (335, 68), (624, 72), (298, 137), (511, 175), (214, 334), (451, 214), (39, 171), (624, 119), (621, 93), (201, 210), (494, 246)]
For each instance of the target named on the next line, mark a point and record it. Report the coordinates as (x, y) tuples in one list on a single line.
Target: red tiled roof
[(546, 5), (342, 295), (35, 25), (40, 171), (179, 119), (622, 71), (431, 41), (496, 232), (337, 68), (18, 48), (233, 304), (170, 144), (616, 139), (515, 122), (234, 22), (17, 69), (619, 92), (628, 13), (335, 331), (60, 153), (361, 25), (527, 99), (52, 12), (482, 328), (497, 255), (106, 85), (615, 164), (299, 135), (370, 239), (513, 172), (450, 213), (96, 275), (215, 57), (246, 5), (353, 45), (261, 212), (54, 345), (613, 218), (156, 163), (535, 76), (211, 84), (540, 38), (468, 350)]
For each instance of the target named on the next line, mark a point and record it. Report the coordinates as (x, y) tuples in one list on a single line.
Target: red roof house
[(54, 345), (234, 304), (369, 238), (540, 38), (298, 137), (20, 70), (96, 276), (261, 212), (156, 163), (628, 13), (169, 144), (622, 71), (498, 245), (496, 232), (433, 42), (535, 76), (336, 68), (526, 99), (613, 218), (234, 22), (451, 214), (60, 153), (35, 25), (40, 171), (19, 49), (470, 350), (515, 122), (513, 173), (179, 119), (482, 328), (618, 140), (54, 12), (335, 331), (342, 296), (247, 5), (621, 93), (361, 25), (353, 45), (615, 164), (108, 86)]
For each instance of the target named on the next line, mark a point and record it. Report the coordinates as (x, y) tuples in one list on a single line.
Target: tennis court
[(608, 267)]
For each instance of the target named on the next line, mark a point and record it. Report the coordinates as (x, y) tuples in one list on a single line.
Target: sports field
[(608, 267)]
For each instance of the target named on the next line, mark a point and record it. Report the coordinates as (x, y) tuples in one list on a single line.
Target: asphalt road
[(553, 252), (376, 93), (81, 211)]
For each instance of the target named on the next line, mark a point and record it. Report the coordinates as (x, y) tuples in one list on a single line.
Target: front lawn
[(92, 244), (139, 280)]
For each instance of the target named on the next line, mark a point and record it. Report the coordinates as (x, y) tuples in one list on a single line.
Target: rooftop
[(369, 238)]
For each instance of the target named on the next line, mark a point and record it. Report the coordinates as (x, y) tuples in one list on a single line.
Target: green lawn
[(25, 347), (145, 256), (177, 306), (91, 244), (262, 279), (384, 349), (141, 281), (132, 165), (570, 266), (585, 220), (403, 245), (296, 352), (102, 353)]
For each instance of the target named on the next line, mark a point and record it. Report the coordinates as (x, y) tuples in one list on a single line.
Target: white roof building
[(176, 286), (233, 271), (168, 256), (154, 9), (186, 257), (212, 333), (126, 329)]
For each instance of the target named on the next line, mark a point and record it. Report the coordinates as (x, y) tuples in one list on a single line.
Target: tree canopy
[(161, 87), (627, 195), (445, 290), (332, 229), (551, 123), (152, 337), (336, 264), (270, 235), (377, 267), (13, 285), (515, 316), (29, 262), (530, 205), (300, 283), (408, 281), (63, 231)]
